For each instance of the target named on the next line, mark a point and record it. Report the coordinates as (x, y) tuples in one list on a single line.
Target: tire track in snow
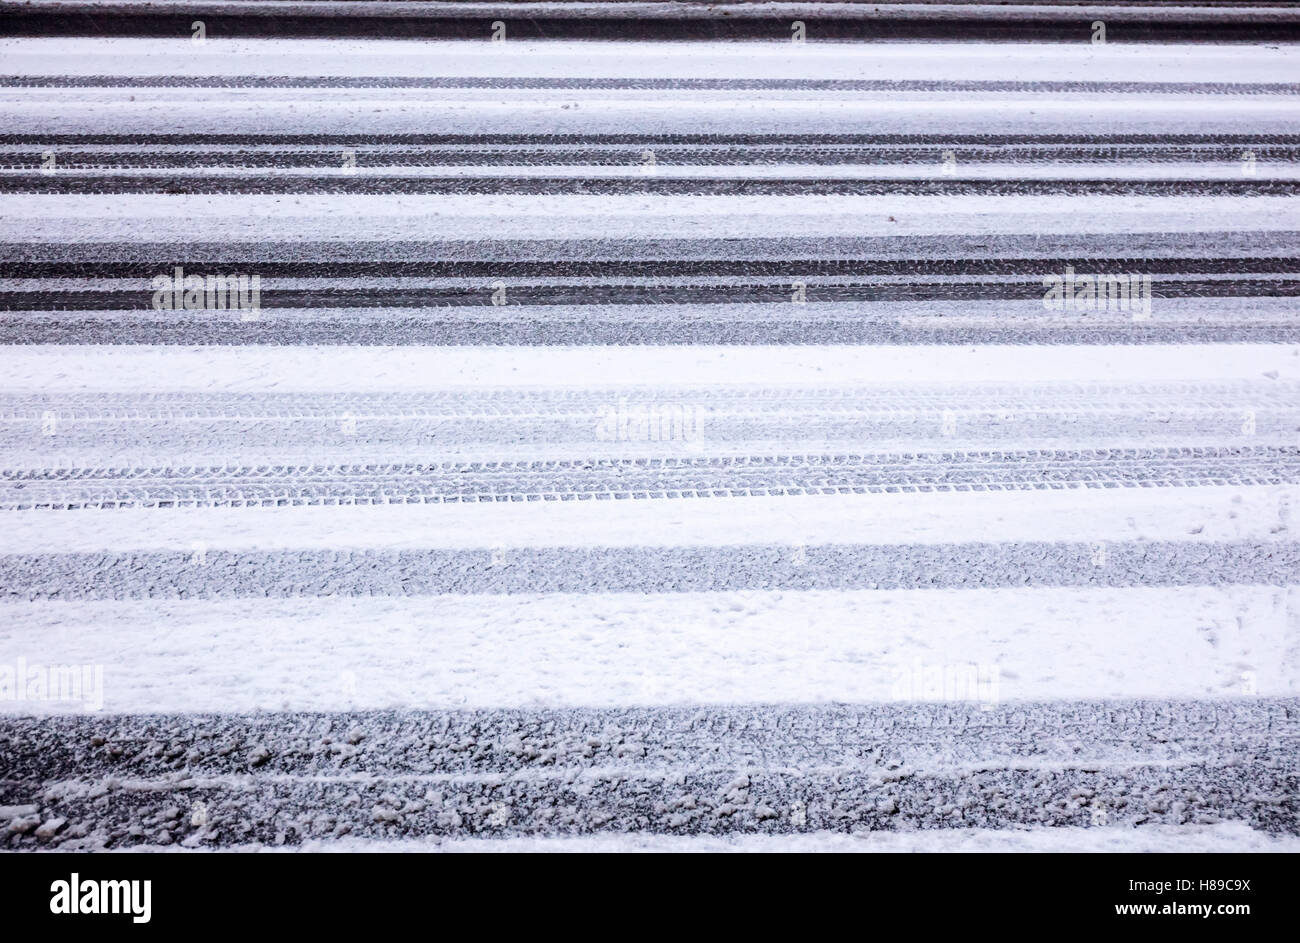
[(645, 478)]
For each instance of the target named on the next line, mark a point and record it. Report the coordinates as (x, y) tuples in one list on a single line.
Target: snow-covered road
[(649, 441)]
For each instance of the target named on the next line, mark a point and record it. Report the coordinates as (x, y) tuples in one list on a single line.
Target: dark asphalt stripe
[(676, 268), (391, 573), (646, 84), (436, 296), (1205, 6), (639, 139), (86, 183), (1132, 251), (1258, 793), (552, 740), (1035, 793), (284, 778), (1065, 26), (591, 331)]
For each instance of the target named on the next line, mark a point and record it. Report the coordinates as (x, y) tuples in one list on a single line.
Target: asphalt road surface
[(857, 419)]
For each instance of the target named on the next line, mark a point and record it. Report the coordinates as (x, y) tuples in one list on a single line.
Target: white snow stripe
[(630, 649), (153, 218), (55, 369), (591, 59), (1205, 514)]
